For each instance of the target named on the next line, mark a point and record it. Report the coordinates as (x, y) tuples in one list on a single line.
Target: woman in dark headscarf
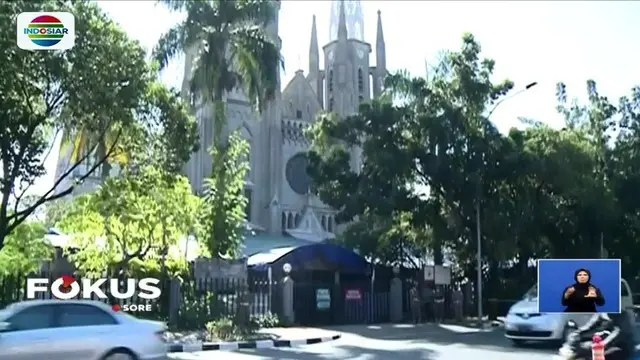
[(582, 296)]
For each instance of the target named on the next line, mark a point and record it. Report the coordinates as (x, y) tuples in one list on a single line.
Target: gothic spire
[(379, 33), (314, 55), (381, 56), (354, 19), (342, 23)]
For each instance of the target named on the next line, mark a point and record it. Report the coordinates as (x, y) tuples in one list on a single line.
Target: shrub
[(195, 310), (226, 329), (265, 321)]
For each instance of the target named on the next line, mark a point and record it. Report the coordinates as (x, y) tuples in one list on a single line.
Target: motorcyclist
[(619, 342)]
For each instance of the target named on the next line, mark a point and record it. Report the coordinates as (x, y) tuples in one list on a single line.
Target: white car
[(77, 330), (524, 323)]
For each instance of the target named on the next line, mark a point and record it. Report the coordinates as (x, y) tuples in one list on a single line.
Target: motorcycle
[(565, 353)]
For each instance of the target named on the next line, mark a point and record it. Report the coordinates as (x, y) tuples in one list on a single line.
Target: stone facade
[(277, 184)]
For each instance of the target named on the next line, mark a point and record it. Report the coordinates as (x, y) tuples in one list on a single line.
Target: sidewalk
[(406, 331), (279, 337), (298, 333)]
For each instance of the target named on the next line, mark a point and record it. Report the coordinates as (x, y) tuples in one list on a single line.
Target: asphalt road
[(427, 342)]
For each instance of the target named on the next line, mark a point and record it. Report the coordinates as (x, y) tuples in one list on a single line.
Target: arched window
[(360, 98), (283, 222), (330, 80), (298, 219), (330, 104), (290, 221), (360, 81)]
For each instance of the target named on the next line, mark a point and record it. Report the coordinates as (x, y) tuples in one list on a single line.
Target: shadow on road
[(491, 339), (343, 352)]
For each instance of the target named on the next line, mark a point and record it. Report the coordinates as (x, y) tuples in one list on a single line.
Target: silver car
[(77, 330), (525, 323)]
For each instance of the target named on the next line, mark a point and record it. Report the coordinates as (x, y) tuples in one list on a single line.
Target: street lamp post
[(478, 230)]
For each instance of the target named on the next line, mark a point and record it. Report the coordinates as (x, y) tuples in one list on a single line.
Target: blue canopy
[(332, 255), (259, 242)]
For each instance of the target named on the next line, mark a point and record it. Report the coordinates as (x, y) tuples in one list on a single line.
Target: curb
[(259, 344)]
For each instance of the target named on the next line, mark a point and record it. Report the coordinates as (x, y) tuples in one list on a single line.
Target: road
[(426, 342)]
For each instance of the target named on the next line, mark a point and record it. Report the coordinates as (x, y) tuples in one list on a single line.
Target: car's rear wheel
[(119, 355)]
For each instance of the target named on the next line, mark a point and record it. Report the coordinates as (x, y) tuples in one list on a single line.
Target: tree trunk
[(101, 153), (115, 274), (4, 213), (219, 121), (163, 264), (438, 256)]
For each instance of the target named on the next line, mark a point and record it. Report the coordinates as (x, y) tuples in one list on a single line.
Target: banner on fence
[(428, 273), (442, 275), (353, 294), (323, 299)]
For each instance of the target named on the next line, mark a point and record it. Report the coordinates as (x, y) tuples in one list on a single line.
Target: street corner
[(299, 333), (257, 344)]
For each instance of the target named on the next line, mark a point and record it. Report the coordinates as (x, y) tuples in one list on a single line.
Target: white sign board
[(323, 299), (353, 294), (442, 275), (429, 273)]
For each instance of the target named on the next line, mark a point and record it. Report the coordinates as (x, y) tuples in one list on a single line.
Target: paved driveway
[(398, 342)]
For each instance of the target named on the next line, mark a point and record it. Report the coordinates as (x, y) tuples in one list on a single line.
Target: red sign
[(353, 294)]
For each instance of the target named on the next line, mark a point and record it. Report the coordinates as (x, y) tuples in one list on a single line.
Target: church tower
[(348, 77)]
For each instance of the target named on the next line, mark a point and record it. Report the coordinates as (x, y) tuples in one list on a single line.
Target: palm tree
[(230, 48)]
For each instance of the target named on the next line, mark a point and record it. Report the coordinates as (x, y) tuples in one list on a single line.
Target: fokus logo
[(67, 287)]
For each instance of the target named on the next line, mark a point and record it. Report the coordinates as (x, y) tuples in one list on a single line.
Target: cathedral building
[(280, 204), (277, 184)]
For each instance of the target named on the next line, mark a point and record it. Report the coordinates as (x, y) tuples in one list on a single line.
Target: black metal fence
[(189, 303)]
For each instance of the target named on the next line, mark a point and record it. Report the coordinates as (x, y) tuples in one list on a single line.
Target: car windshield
[(532, 293)]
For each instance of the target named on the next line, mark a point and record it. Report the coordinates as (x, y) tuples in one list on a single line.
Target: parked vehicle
[(77, 330), (524, 323)]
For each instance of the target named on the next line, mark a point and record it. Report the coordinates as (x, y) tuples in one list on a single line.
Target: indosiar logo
[(46, 31)]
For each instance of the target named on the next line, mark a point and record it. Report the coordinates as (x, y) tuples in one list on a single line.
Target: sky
[(538, 41)]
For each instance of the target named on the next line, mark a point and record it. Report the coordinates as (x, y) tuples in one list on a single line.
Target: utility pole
[(479, 259)]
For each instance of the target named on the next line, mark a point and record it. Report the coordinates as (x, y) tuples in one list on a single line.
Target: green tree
[(135, 217), (55, 211), (229, 49), (25, 249), (436, 145), (222, 213), (623, 177), (100, 88), (165, 134)]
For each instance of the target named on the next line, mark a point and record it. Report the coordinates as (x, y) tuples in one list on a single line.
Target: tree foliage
[(229, 48), (136, 216), (25, 249), (222, 214), (102, 93), (430, 150)]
